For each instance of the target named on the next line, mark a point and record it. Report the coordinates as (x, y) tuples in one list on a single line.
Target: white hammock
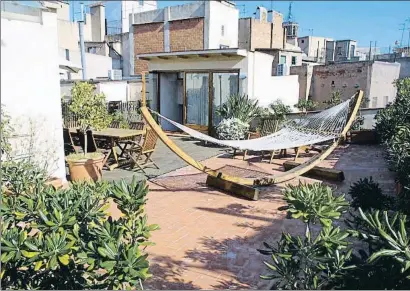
[(320, 127)]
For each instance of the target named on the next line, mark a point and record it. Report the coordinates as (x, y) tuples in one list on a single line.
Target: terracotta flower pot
[(87, 169)]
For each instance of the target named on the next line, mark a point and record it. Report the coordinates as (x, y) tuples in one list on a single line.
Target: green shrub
[(240, 107), (335, 99), (277, 110), (393, 129), (6, 131), (19, 176), (306, 105), (381, 256), (121, 118), (314, 202), (65, 239), (367, 195)]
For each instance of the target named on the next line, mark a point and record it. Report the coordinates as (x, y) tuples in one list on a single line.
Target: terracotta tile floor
[(209, 239)]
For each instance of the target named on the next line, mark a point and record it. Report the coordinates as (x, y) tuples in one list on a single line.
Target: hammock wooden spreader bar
[(268, 180)]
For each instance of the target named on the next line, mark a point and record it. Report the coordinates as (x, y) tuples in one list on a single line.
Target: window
[(386, 100), (67, 54), (223, 30), (303, 41), (279, 71), (374, 102), (282, 60), (92, 50), (141, 2), (352, 51), (293, 61), (339, 51)]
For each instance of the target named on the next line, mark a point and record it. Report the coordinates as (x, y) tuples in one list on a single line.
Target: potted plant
[(91, 111)]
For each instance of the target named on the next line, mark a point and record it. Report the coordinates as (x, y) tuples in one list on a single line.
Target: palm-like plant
[(240, 107)]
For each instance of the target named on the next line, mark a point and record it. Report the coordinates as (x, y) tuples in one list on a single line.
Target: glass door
[(223, 86), (197, 101)]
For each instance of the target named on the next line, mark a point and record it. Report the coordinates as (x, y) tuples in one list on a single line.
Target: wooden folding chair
[(92, 145), (139, 125), (136, 153), (69, 145), (115, 124)]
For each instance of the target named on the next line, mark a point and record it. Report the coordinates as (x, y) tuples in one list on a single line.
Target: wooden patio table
[(114, 136)]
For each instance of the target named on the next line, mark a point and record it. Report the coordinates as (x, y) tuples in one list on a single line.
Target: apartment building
[(201, 25)]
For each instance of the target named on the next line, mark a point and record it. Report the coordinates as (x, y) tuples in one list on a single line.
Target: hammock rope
[(307, 130)]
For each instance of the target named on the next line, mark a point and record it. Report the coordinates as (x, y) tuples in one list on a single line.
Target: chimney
[(97, 12), (261, 14)]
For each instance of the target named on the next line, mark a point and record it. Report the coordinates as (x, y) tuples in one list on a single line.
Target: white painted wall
[(222, 14), (30, 89), (97, 66), (267, 88), (113, 91), (382, 77), (68, 34)]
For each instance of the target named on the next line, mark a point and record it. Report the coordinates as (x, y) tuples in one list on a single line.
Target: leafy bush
[(367, 195), (277, 110), (380, 261), (66, 239), (19, 176), (6, 131), (314, 202), (306, 105), (240, 107), (303, 263), (121, 118), (393, 128), (232, 129), (335, 99)]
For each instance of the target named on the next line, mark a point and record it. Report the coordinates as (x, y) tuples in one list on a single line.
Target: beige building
[(264, 31), (314, 47), (374, 78)]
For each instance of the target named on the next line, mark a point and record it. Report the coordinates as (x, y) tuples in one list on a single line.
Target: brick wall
[(261, 34), (148, 38), (187, 34), (341, 77)]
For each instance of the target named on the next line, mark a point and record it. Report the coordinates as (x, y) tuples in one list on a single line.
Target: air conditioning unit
[(115, 75), (282, 70)]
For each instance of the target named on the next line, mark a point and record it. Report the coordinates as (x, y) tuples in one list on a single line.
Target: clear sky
[(363, 21)]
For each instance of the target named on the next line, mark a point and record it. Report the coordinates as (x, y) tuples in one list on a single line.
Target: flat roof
[(231, 52)]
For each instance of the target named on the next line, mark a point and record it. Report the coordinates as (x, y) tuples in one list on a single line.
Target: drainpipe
[(82, 47)]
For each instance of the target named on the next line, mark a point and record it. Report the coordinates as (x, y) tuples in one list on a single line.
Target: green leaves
[(240, 107), (367, 195), (314, 202), (306, 105), (73, 238), (90, 108)]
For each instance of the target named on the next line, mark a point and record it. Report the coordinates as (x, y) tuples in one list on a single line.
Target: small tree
[(279, 110), (306, 105), (334, 100), (90, 108)]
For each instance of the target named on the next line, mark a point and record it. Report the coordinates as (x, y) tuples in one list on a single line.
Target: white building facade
[(30, 90)]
